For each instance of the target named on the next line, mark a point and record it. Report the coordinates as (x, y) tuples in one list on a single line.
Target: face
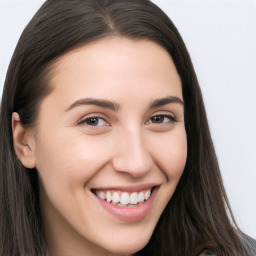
[(110, 146)]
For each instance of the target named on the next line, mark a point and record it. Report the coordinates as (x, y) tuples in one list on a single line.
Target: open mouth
[(123, 198)]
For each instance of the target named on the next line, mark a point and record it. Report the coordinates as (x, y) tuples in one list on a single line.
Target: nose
[(132, 156)]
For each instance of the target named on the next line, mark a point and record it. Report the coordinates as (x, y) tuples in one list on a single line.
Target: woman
[(105, 146)]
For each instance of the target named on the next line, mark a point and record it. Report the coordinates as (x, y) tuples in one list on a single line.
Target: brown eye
[(159, 119), (94, 121)]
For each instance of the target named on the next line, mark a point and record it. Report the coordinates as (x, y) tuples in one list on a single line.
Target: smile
[(124, 199), (128, 204)]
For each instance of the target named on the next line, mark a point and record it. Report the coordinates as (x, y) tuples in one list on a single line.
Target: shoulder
[(250, 244)]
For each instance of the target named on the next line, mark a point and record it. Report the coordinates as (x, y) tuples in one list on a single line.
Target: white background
[(221, 38)]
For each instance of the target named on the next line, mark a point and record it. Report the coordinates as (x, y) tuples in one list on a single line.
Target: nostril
[(136, 164)]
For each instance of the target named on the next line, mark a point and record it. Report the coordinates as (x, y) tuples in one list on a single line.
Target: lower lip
[(129, 214)]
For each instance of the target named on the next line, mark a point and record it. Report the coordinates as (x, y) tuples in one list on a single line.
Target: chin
[(129, 247)]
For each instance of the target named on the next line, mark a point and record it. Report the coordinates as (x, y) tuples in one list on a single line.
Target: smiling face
[(110, 146)]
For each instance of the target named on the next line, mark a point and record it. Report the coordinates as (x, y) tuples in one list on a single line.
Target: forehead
[(116, 65)]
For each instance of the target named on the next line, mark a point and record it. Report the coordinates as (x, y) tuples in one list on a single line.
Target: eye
[(94, 121), (159, 119)]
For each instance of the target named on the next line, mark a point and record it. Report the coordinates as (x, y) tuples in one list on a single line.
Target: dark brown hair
[(196, 216)]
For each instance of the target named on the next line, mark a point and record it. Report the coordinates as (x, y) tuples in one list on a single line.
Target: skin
[(123, 147)]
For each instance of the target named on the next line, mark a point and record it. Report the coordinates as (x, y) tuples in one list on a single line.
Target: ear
[(23, 141)]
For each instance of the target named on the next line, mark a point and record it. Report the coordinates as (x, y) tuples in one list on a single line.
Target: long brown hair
[(196, 216)]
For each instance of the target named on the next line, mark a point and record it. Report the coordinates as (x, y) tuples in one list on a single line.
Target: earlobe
[(23, 142)]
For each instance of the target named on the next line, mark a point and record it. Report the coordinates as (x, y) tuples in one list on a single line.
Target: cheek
[(65, 165), (67, 161), (171, 154)]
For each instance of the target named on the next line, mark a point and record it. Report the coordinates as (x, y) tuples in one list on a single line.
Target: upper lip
[(132, 188)]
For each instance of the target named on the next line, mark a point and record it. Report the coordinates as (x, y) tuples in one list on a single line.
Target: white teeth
[(133, 198), (141, 197), (123, 199), (109, 197), (147, 194), (101, 195), (115, 198)]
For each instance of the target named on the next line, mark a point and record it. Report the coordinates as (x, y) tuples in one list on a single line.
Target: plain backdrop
[(221, 38)]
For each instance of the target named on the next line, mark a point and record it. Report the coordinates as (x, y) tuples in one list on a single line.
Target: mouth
[(124, 198), (127, 204)]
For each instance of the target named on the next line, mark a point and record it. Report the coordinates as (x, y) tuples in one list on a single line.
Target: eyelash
[(171, 118), (151, 120), (88, 119)]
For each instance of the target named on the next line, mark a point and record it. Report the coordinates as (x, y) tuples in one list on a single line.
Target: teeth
[(147, 195), (124, 199), (101, 195), (115, 198), (141, 197), (109, 197), (133, 198)]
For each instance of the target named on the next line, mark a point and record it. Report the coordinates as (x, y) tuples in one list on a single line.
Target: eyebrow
[(166, 100), (115, 106), (97, 102)]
